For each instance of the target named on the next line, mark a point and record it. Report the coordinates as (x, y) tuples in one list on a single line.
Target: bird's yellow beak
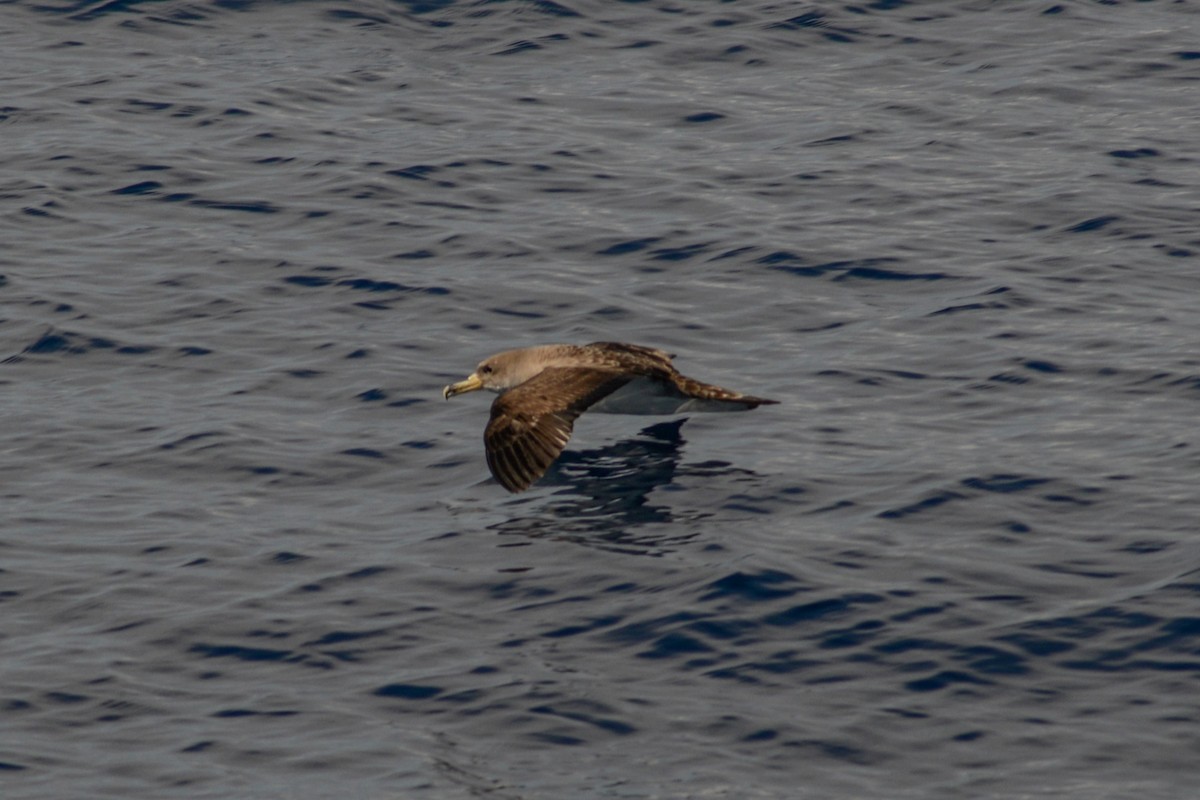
[(471, 384)]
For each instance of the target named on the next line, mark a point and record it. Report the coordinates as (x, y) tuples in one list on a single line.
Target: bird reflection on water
[(605, 495)]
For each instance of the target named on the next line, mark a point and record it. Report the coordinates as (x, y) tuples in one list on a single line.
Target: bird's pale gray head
[(500, 372)]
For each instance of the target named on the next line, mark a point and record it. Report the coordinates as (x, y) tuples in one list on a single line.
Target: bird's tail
[(710, 397)]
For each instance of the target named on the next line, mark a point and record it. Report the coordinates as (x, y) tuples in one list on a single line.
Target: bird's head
[(498, 373)]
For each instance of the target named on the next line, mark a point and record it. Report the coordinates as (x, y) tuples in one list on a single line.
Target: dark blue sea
[(247, 550)]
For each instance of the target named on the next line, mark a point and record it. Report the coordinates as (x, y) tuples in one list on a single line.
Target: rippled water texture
[(247, 551)]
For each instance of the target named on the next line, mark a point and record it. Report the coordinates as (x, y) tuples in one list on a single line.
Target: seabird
[(544, 389)]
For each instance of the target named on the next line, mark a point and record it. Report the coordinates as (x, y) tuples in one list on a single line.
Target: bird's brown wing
[(531, 423), (632, 356)]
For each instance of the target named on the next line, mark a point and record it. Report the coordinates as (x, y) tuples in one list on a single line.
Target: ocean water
[(247, 551)]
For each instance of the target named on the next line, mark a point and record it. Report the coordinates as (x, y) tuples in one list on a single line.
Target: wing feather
[(531, 423)]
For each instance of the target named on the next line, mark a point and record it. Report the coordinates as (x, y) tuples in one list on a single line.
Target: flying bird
[(544, 389)]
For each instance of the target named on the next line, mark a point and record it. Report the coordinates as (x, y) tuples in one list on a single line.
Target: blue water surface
[(246, 550)]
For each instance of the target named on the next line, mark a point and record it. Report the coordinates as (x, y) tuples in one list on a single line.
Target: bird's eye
[(485, 369)]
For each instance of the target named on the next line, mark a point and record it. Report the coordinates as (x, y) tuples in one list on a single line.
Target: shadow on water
[(605, 499)]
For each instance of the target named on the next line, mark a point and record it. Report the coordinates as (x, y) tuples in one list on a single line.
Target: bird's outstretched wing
[(531, 423)]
